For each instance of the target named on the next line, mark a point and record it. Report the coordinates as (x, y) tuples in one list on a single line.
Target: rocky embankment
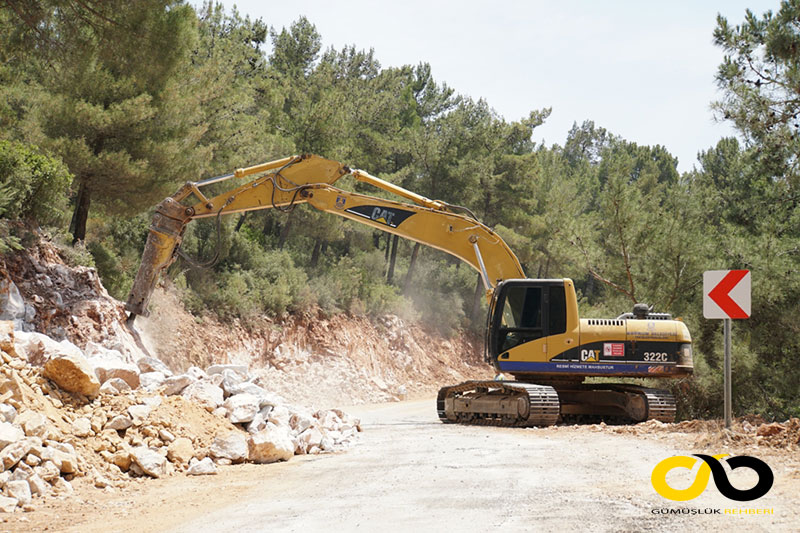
[(82, 400), (66, 413)]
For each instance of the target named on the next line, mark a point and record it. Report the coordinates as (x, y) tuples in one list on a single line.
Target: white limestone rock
[(176, 384), (204, 394), (150, 462), (63, 486), (197, 373), (219, 369), (139, 413), (114, 386), (9, 434), (241, 408), (8, 505), (309, 439), (270, 445), (119, 423), (180, 451), (7, 413), (109, 364), (151, 364), (33, 424), (82, 427), (39, 487), (232, 446), (202, 468), (151, 380), (14, 452), (19, 490)]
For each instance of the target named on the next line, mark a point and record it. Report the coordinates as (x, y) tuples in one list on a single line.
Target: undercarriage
[(520, 404)]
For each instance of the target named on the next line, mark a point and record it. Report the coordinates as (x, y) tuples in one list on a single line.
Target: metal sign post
[(726, 295), (726, 326)]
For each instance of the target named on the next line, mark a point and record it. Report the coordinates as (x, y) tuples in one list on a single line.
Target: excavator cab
[(524, 310)]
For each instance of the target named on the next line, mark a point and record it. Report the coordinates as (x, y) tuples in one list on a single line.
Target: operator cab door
[(526, 311)]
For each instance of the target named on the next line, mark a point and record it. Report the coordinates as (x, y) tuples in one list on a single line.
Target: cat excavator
[(533, 332)]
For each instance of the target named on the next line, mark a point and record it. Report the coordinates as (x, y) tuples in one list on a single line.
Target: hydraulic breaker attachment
[(165, 235)]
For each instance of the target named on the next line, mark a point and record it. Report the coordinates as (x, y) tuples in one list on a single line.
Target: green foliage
[(33, 189), (760, 78), (34, 184)]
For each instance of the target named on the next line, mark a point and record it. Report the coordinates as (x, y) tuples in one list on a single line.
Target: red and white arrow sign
[(726, 294)]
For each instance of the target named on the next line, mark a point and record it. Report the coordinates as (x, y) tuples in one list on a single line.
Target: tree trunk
[(316, 252), (269, 224), (388, 245), (287, 227), (392, 260), (414, 254), (240, 222), (81, 214), (476, 300)]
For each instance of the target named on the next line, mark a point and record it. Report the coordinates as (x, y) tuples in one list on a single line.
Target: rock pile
[(68, 413)]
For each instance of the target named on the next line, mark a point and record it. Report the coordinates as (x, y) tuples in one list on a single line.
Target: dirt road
[(409, 472)]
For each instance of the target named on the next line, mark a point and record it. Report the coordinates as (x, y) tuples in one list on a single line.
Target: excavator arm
[(309, 179)]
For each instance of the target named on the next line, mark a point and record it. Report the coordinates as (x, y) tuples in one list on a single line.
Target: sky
[(642, 70)]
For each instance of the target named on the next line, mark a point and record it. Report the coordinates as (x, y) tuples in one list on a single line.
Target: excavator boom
[(309, 179)]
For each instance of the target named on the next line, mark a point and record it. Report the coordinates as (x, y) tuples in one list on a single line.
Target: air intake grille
[(604, 322)]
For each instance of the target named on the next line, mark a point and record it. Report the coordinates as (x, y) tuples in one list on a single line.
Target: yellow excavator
[(533, 329)]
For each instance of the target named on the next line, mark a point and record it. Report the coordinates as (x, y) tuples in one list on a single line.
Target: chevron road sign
[(726, 294)]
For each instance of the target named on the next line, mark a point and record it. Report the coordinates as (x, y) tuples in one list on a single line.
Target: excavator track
[(518, 404), (498, 403), (615, 404), (660, 405)]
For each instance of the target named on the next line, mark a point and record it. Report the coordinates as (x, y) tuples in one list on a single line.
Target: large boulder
[(241, 408), (108, 364), (270, 445), (73, 373), (37, 348), (232, 446), (205, 394)]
